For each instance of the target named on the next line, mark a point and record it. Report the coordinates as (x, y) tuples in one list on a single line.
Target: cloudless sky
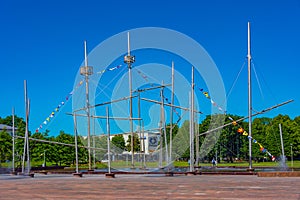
[(42, 42)]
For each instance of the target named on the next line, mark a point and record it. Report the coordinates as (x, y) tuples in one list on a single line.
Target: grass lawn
[(296, 164), (124, 164)]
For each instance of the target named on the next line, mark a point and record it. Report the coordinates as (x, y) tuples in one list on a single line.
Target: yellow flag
[(245, 133), (206, 94)]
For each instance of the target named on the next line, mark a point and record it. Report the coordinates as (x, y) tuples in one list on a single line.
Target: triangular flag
[(240, 130), (245, 133), (206, 94)]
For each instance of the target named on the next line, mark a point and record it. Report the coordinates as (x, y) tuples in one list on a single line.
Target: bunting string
[(211, 100), (69, 95), (234, 123), (109, 69), (145, 77), (261, 148), (142, 75), (58, 108)]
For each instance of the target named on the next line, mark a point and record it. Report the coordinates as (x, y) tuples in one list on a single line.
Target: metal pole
[(128, 59), (249, 99), (139, 116), (76, 144), (141, 130), (94, 150), (144, 148), (87, 104), (108, 139), (164, 125), (241, 119), (13, 141), (282, 148), (130, 118), (27, 133), (197, 140), (192, 124), (171, 113), (190, 130), (174, 106), (193, 117), (44, 158), (26, 141), (292, 157), (24, 149), (161, 131)]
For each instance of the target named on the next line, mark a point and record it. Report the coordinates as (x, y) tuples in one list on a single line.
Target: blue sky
[(42, 42)]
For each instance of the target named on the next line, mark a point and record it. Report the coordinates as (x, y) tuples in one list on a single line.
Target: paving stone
[(148, 187)]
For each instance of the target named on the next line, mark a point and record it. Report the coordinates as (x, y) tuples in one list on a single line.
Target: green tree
[(136, 143), (181, 142), (295, 138), (38, 148), (209, 143), (101, 144), (118, 142), (259, 133), (230, 142), (174, 131), (66, 154), (20, 131), (289, 134), (52, 152), (5, 146)]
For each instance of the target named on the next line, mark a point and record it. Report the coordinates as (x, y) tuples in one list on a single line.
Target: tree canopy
[(226, 144)]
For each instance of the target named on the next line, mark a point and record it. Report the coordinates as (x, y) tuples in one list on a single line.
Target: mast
[(108, 139), (281, 140), (144, 148), (171, 113), (249, 99), (197, 140), (27, 134), (76, 144), (141, 131), (161, 129), (192, 123), (164, 125), (13, 141), (128, 59), (94, 144), (139, 116), (26, 140), (86, 71)]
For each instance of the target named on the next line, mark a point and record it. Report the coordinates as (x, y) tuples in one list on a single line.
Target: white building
[(8, 129), (151, 140)]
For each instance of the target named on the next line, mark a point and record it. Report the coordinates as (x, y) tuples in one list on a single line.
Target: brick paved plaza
[(53, 186)]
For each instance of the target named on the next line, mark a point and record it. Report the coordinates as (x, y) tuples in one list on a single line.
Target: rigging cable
[(237, 77)]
